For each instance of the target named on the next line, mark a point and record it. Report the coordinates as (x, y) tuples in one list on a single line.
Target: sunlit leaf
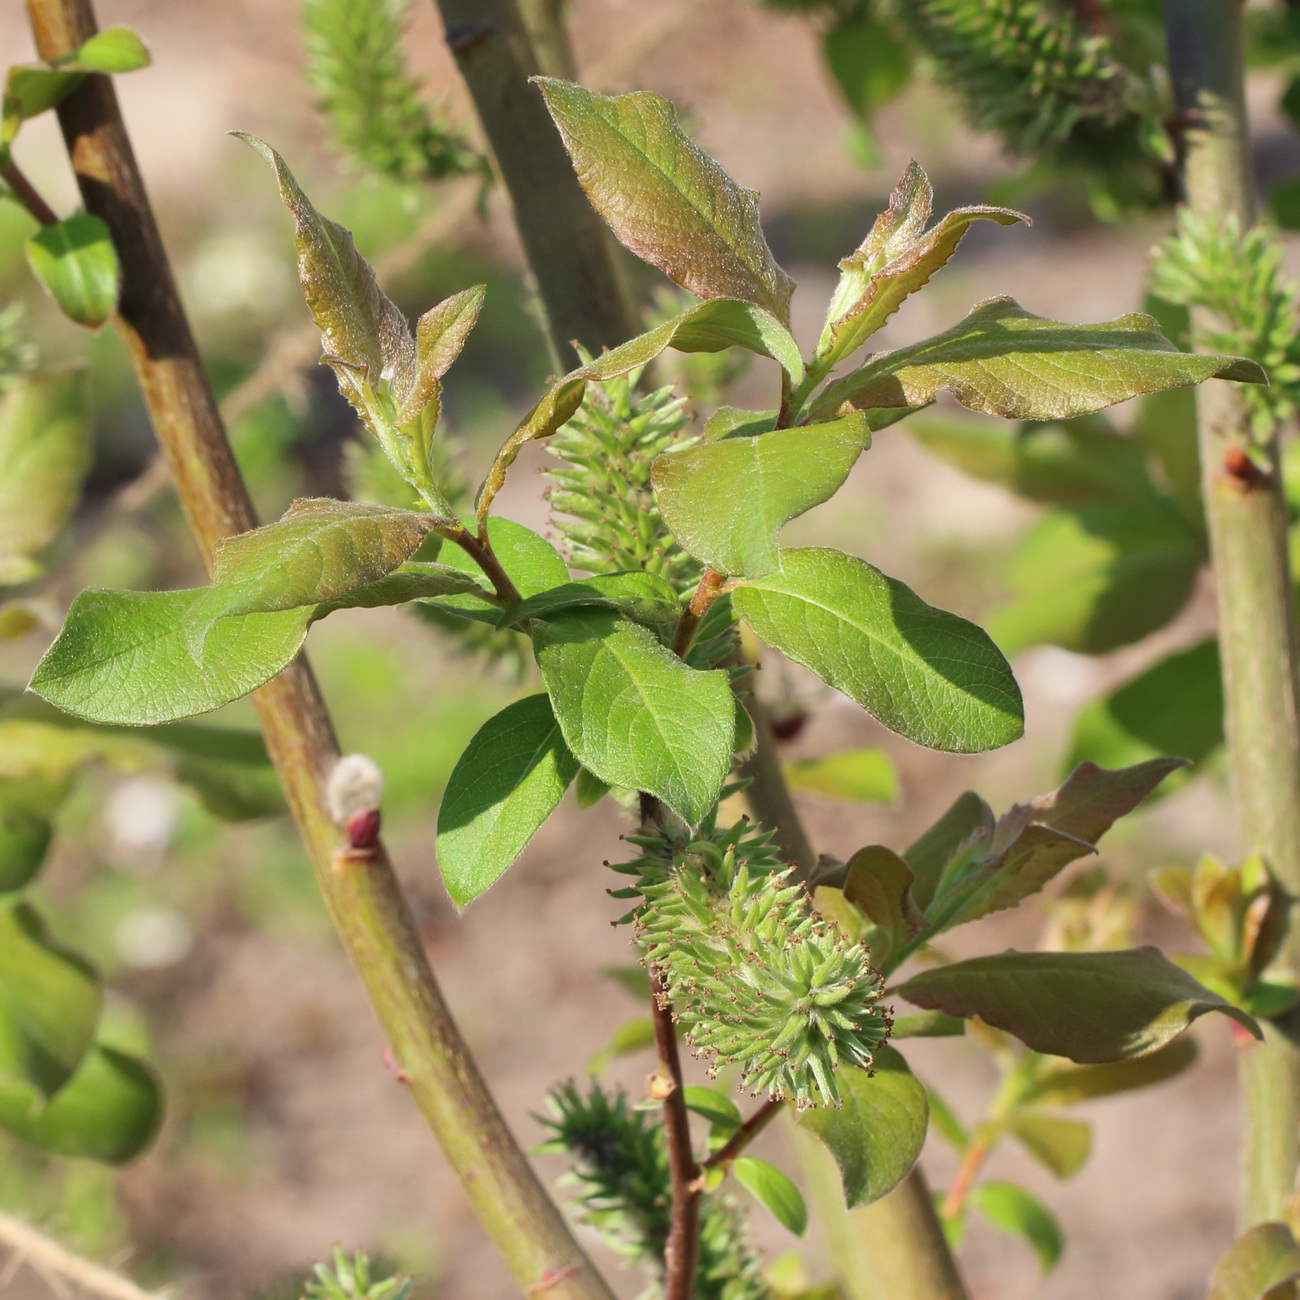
[(75, 261), (855, 775), (113, 50)]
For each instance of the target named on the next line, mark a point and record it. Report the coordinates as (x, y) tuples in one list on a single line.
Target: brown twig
[(26, 192), (744, 1135), (363, 896), (693, 615)]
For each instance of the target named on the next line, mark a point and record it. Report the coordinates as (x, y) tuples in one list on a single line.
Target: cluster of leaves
[(634, 695), (356, 65)]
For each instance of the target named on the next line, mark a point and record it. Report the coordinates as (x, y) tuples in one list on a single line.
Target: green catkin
[(755, 978), (356, 65), (352, 1277), (624, 1191)]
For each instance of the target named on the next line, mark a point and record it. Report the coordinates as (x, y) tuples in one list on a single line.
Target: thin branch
[(26, 192), (368, 908), (48, 1258), (744, 1135), (964, 1179)]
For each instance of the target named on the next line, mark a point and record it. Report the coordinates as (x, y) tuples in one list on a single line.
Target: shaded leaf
[(49, 1006), (1261, 1259), (770, 1186), (588, 789), (109, 1110), (75, 261), (31, 91), (725, 501), (503, 787), (121, 657), (877, 882), (1022, 1215), (1174, 707), (1062, 1145), (928, 1024), (664, 197), (868, 62), (1059, 1084), (857, 775), (1092, 1007), (968, 821), (631, 1036), (45, 452), (642, 597), (722, 1113), (633, 713), (1097, 577), (877, 1135), (414, 580), (1006, 361), (927, 674)]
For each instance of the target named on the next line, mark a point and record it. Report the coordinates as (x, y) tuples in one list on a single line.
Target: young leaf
[(642, 597), (440, 335), (31, 91), (109, 1110), (633, 713), (665, 198), (879, 883), (709, 327), (894, 261), (49, 1006), (856, 775), (722, 1113), (1015, 1211), (1092, 1007), (318, 551), (725, 501), (1062, 1145), (1006, 361), (45, 452), (1067, 1085), (1174, 707), (503, 787), (75, 261), (1259, 1264), (775, 1190), (969, 819), (1096, 577), (876, 1137), (927, 674), (114, 50), (122, 657)]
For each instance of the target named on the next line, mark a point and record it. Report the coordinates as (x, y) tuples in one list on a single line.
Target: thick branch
[(363, 896)]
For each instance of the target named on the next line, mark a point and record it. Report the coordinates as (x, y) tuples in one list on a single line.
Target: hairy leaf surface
[(927, 674), (503, 787)]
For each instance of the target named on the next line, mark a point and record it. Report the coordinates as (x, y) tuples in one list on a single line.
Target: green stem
[(360, 888), (1247, 522), (568, 248)]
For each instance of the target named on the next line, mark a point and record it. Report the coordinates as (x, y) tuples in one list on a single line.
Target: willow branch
[(53, 1261), (744, 1135), (361, 891)]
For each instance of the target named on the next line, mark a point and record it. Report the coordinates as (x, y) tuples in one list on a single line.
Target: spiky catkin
[(602, 503), (1025, 70), (1208, 262), (355, 63), (754, 977), (624, 1191), (354, 1277)]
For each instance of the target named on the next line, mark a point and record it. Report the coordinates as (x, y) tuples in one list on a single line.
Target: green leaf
[(868, 62), (49, 1006), (665, 198), (876, 1137), (631, 1036), (725, 501), (109, 1110), (722, 1113), (1033, 842), (894, 261), (633, 713), (414, 580), (121, 657), (45, 453), (75, 261), (709, 327), (927, 1024), (31, 91), (1260, 1262), (878, 883), (26, 829), (854, 775), (1092, 1007), (1174, 707), (1066, 462), (770, 1186), (1062, 1145), (642, 597), (968, 819), (440, 335), (503, 787), (319, 551), (1097, 577), (1059, 1084), (114, 50), (927, 674), (588, 789), (729, 420), (1016, 1212), (1006, 361), (530, 562)]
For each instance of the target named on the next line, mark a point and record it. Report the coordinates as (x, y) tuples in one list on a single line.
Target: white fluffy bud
[(356, 785)]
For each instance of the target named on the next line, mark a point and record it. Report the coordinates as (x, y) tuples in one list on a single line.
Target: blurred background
[(285, 1133)]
